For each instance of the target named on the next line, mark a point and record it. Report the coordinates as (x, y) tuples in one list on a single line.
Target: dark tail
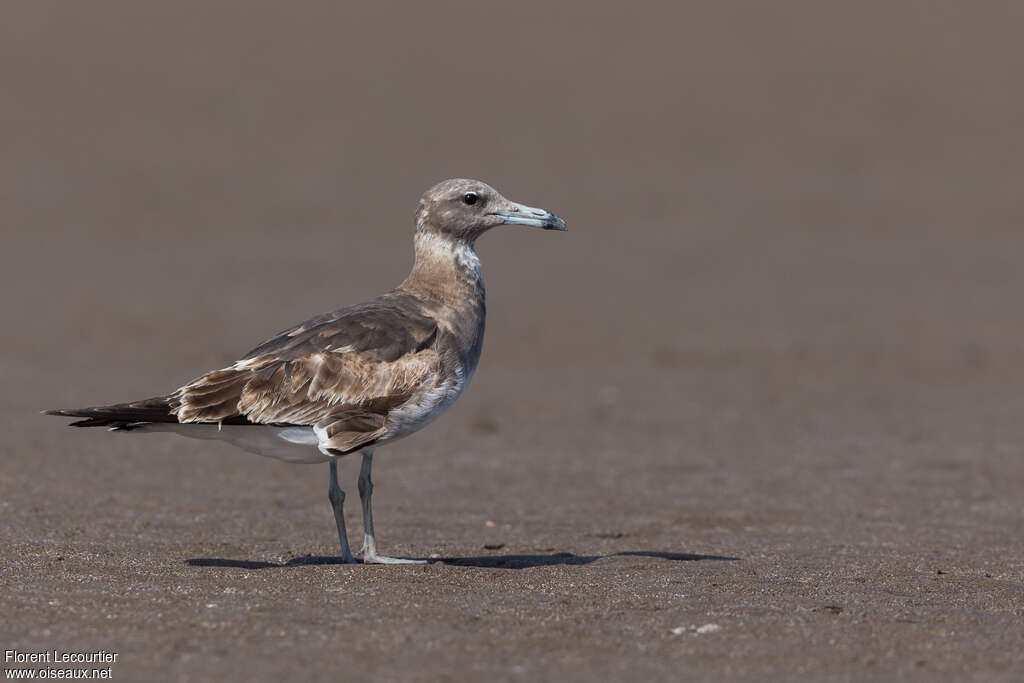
[(121, 415)]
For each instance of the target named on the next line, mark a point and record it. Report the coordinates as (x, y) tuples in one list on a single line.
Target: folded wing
[(340, 374)]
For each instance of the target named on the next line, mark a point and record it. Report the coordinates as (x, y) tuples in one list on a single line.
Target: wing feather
[(338, 373)]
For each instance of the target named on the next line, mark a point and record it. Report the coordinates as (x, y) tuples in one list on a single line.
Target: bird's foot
[(374, 558), (370, 556)]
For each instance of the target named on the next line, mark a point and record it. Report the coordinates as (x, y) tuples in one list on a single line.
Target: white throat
[(431, 244)]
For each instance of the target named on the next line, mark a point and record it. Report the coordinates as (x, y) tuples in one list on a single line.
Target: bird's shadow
[(485, 561)]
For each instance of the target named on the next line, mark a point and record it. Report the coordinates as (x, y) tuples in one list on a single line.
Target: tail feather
[(121, 415)]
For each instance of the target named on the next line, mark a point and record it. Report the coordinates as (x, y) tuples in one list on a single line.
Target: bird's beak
[(520, 214)]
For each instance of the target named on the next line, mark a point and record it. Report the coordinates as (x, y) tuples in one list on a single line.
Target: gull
[(356, 378)]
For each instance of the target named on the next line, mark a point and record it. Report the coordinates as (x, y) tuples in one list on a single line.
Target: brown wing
[(340, 373)]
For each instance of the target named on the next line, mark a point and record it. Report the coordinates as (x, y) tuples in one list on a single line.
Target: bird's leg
[(369, 551), (337, 497), (365, 493)]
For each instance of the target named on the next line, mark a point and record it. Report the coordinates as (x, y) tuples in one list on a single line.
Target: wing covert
[(339, 373)]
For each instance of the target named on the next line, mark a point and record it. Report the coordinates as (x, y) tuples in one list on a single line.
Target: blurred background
[(788, 305), (845, 179)]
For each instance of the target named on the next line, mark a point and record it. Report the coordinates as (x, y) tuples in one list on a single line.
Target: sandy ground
[(770, 381)]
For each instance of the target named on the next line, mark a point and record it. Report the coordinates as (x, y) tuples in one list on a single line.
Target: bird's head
[(462, 210)]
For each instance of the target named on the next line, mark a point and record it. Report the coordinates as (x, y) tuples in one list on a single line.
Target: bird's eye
[(470, 198)]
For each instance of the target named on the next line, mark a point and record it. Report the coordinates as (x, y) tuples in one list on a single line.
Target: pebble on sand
[(706, 628)]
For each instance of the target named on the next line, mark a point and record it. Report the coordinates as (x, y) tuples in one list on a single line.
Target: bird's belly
[(423, 408), (290, 444)]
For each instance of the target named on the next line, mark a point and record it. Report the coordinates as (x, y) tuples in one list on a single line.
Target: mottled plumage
[(357, 377), (340, 373)]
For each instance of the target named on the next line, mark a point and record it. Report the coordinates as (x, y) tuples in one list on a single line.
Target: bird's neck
[(446, 281), (446, 272)]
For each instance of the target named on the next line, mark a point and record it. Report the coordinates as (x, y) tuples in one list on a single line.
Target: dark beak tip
[(554, 222)]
